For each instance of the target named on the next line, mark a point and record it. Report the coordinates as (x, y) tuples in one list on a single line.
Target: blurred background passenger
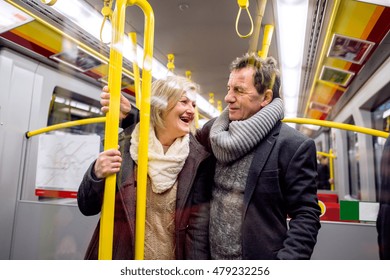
[(324, 181)]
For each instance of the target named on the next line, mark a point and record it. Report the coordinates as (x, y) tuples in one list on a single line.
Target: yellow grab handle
[(144, 129), (111, 131), (137, 79), (243, 4)]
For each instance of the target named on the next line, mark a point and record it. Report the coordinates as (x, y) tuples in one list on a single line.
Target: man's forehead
[(240, 76)]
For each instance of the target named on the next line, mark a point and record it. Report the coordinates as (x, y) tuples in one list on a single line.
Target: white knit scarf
[(163, 169), (231, 140)]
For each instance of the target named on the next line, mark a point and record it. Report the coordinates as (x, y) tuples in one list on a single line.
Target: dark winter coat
[(281, 184), (192, 206)]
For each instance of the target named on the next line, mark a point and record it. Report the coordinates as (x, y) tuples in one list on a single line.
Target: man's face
[(242, 97)]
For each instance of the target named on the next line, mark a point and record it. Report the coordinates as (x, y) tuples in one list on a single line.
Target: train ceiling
[(346, 42)]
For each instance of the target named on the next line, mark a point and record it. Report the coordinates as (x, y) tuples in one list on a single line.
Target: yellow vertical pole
[(267, 37), (254, 40), (112, 120), (331, 170), (137, 80), (144, 127), (111, 129)]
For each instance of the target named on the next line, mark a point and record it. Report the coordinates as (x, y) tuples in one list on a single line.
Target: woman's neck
[(165, 139)]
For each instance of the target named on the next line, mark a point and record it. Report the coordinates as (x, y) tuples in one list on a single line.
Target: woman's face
[(178, 120)]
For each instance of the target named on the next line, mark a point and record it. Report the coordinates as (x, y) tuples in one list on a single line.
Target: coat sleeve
[(197, 237), (90, 193), (91, 189), (202, 135), (302, 203)]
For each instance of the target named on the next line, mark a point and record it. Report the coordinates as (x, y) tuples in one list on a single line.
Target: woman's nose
[(191, 108)]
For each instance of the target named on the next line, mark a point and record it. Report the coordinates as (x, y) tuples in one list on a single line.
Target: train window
[(353, 164), (64, 155), (381, 121), (68, 106)]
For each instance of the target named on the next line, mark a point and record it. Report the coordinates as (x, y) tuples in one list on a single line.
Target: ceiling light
[(90, 20), (183, 6), (291, 18)]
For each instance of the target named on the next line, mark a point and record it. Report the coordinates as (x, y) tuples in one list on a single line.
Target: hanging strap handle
[(243, 5)]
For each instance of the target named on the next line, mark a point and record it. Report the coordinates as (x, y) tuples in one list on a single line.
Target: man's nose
[(230, 97)]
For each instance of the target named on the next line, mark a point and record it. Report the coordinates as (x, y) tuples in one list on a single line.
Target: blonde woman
[(179, 169)]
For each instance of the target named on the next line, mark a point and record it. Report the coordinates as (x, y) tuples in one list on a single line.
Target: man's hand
[(125, 105)]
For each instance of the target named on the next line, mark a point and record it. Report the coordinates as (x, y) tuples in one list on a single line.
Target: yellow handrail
[(111, 132), (64, 125), (137, 80), (144, 128), (343, 126)]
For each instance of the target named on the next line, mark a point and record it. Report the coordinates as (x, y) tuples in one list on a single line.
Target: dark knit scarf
[(232, 140)]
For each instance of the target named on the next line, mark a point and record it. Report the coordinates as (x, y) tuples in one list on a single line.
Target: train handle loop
[(243, 4), (49, 2), (107, 15)]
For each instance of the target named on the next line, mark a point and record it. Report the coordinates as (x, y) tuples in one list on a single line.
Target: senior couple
[(241, 187)]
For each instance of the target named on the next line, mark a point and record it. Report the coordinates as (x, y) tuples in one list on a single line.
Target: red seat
[(332, 212), (328, 197)]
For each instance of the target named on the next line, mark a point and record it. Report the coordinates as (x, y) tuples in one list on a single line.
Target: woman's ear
[(268, 95)]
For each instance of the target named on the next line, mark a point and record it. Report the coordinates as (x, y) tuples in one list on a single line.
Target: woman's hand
[(109, 162), (125, 105)]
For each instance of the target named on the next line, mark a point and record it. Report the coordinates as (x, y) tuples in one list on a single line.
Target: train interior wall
[(31, 229), (34, 229)]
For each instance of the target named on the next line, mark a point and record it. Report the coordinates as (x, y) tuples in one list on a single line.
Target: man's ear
[(268, 95)]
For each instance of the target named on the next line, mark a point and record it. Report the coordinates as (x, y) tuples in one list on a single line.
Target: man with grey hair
[(264, 196), (265, 171)]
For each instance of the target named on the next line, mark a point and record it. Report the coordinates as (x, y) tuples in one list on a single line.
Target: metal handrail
[(111, 135), (350, 127), (64, 125)]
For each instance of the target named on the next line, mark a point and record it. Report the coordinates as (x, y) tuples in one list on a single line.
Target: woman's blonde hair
[(165, 95)]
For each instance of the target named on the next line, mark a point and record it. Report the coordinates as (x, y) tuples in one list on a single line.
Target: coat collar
[(187, 176)]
